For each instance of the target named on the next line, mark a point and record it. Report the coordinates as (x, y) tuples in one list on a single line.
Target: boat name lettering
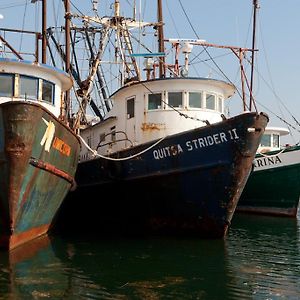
[(167, 151), (267, 161), (61, 146), (217, 138)]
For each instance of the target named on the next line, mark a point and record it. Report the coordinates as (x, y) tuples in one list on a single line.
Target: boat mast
[(255, 8), (44, 30), (161, 46), (67, 60)]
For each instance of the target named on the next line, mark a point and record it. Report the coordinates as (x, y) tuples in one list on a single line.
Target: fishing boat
[(39, 150), (273, 187), (164, 154)]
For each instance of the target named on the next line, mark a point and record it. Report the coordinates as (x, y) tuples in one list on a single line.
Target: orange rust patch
[(61, 146), (152, 126), (21, 238)]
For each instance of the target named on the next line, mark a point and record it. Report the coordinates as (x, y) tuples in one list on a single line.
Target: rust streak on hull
[(52, 169)]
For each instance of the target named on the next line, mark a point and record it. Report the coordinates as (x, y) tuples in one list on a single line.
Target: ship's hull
[(274, 186), (186, 183), (38, 158)]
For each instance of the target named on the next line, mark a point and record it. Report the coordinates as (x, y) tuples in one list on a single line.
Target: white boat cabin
[(28, 81), (150, 110), (271, 139)]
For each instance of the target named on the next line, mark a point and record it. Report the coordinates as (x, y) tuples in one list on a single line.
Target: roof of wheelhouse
[(22, 66), (228, 88)]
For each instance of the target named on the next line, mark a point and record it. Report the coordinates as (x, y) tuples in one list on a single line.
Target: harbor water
[(259, 259)]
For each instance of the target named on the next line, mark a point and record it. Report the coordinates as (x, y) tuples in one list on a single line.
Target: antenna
[(255, 8)]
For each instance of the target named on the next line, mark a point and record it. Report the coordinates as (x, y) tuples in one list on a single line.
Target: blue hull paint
[(189, 182), (31, 194)]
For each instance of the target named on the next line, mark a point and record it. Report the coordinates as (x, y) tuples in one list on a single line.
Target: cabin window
[(276, 140), (266, 140), (7, 85), (48, 91), (154, 101), (195, 99), (175, 99), (130, 108), (220, 104), (29, 87), (210, 101)]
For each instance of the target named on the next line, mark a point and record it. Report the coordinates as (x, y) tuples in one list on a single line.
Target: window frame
[(130, 108), (13, 80), (175, 92), (33, 79)]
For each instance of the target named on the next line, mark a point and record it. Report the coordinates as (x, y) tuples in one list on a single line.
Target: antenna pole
[(255, 8), (44, 30), (67, 61), (161, 46)]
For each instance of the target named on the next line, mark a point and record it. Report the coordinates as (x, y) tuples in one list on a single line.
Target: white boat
[(273, 187)]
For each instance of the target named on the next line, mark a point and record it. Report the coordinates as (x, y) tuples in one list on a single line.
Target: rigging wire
[(271, 86), (205, 48), (23, 26)]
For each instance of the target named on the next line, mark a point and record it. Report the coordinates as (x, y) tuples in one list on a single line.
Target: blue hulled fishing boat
[(164, 154)]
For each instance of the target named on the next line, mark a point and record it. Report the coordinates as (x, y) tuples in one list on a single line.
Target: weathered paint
[(182, 187), (273, 187), (35, 176)]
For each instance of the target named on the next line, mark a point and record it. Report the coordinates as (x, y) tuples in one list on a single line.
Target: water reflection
[(258, 260), (264, 252)]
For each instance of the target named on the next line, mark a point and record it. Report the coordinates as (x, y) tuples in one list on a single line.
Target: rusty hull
[(38, 158), (184, 184)]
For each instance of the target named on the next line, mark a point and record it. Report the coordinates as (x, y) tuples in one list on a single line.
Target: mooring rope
[(95, 153)]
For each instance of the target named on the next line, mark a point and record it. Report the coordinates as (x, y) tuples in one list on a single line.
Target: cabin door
[(130, 121)]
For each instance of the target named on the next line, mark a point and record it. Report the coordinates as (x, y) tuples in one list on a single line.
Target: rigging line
[(281, 119), (95, 153), (274, 155), (271, 85), (174, 24), (10, 6), (276, 96), (71, 2), (23, 26), (204, 47)]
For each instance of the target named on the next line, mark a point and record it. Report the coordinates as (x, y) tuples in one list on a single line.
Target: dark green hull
[(274, 186), (38, 161)]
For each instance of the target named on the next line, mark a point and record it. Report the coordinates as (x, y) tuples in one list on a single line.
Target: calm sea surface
[(259, 259)]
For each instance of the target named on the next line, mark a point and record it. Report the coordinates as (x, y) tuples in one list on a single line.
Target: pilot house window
[(130, 108), (154, 101), (47, 91), (28, 87), (175, 99), (276, 140), (210, 101), (195, 99), (266, 140), (7, 85)]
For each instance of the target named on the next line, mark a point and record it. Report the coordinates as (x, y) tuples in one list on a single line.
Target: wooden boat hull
[(189, 182), (273, 187), (38, 158)]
